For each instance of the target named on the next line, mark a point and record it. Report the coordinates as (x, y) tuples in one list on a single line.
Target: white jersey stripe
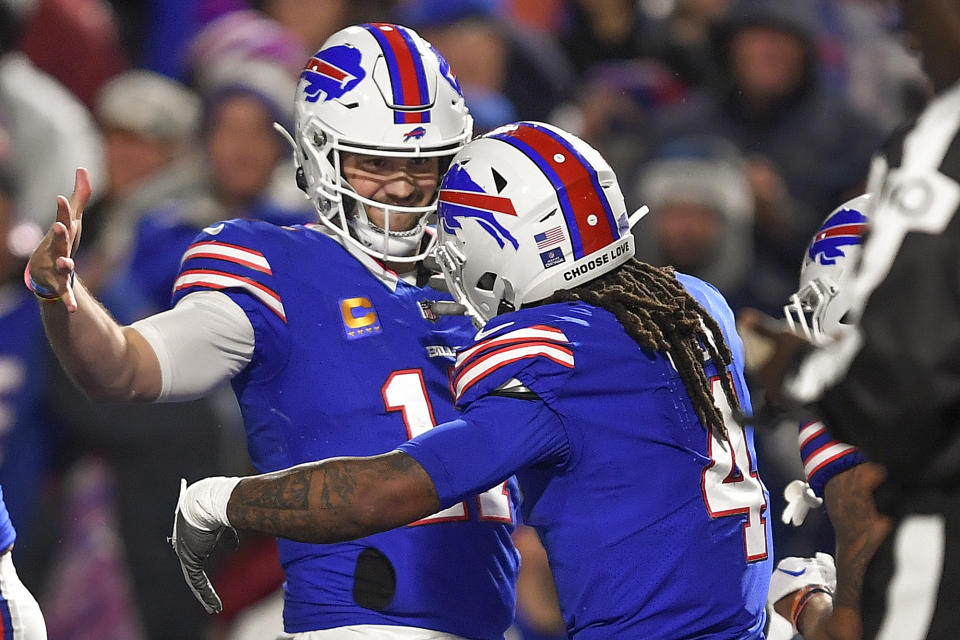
[(230, 253), (825, 455), (810, 432), (494, 361), (220, 280), (536, 332), (918, 565)]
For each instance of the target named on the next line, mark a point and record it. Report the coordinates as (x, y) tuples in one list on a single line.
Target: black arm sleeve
[(900, 398)]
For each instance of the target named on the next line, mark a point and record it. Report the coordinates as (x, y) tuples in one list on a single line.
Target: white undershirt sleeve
[(205, 340)]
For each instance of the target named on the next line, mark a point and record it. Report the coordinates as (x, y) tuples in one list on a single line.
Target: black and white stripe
[(917, 178)]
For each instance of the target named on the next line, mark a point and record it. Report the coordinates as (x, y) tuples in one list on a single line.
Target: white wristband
[(204, 504)]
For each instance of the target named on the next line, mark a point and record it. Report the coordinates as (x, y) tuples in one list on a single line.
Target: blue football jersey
[(142, 287), (24, 421), (654, 528), (346, 363)]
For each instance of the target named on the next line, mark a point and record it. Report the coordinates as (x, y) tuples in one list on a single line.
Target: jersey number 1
[(406, 391), (730, 483)]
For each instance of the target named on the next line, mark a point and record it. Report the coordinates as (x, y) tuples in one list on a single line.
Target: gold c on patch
[(359, 318)]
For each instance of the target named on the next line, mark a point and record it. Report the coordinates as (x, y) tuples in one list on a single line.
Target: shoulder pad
[(500, 353), (231, 255)]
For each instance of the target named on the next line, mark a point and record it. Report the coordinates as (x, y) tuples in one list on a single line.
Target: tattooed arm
[(334, 500), (328, 501), (859, 530)]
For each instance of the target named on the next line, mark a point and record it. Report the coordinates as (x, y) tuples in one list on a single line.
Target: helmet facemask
[(807, 310), (820, 307)]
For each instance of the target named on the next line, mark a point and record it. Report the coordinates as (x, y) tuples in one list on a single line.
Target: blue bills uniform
[(7, 533), (346, 364), (25, 424), (653, 529), (142, 287)]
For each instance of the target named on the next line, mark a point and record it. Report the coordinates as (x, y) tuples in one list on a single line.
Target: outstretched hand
[(52, 265)]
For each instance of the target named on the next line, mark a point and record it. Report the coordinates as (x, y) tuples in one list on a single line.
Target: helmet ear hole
[(487, 281), (505, 307), (301, 180)]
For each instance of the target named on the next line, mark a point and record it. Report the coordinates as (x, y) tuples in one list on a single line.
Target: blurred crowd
[(741, 123)]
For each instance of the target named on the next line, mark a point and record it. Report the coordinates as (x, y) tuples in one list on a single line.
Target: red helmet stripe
[(485, 201), (406, 71), (855, 229), (578, 188)]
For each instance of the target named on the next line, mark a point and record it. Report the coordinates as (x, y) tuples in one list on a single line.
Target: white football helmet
[(527, 210), (825, 295), (381, 90)]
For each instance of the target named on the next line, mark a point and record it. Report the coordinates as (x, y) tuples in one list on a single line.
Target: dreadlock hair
[(660, 315)]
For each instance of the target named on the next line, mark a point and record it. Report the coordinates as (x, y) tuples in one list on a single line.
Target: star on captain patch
[(359, 318)]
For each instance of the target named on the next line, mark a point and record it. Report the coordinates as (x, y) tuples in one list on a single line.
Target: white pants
[(25, 618)]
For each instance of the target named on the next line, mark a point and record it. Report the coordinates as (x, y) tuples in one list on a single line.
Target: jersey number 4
[(730, 484), (406, 391)]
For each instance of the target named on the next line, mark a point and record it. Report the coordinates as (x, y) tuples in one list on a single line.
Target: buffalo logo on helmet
[(332, 72), (415, 134), (446, 72), (843, 229), (461, 197)]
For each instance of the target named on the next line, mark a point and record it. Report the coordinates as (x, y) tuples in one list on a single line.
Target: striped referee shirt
[(893, 386)]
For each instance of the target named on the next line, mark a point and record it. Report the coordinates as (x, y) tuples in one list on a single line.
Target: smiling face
[(405, 182), (934, 31)]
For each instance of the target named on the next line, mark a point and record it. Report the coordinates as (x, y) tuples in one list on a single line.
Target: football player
[(890, 385), (605, 384), (328, 336), (20, 615), (807, 591)]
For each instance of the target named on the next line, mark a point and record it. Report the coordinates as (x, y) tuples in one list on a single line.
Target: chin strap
[(634, 217)]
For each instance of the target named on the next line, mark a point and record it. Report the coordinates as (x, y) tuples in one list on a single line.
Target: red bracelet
[(801, 600)]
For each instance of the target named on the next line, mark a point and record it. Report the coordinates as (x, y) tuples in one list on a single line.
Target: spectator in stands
[(50, 132), (75, 41), (701, 215), (245, 174), (150, 125), (603, 30), (507, 72), (681, 39), (806, 150)]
